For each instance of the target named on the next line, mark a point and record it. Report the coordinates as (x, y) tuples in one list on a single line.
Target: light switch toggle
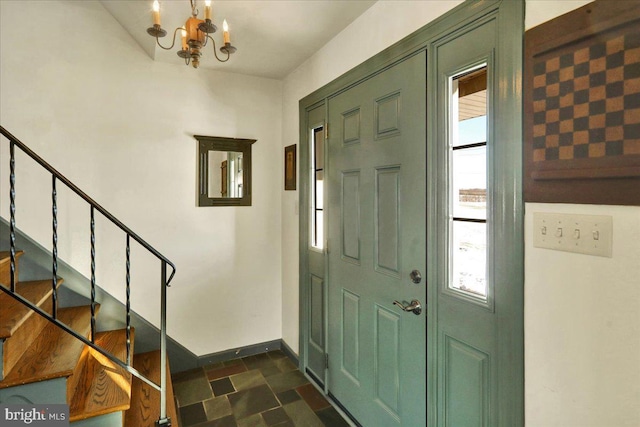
[(583, 234)]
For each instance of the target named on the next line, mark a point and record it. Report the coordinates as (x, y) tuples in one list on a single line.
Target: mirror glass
[(225, 174), (224, 171)]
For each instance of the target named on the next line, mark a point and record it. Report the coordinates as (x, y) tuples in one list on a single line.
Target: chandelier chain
[(194, 11)]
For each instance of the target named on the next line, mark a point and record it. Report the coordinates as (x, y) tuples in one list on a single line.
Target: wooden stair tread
[(5, 266), (54, 353), (14, 313), (101, 386), (5, 256), (145, 400)]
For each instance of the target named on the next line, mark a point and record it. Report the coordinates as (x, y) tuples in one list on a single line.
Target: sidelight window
[(317, 181), (468, 183)]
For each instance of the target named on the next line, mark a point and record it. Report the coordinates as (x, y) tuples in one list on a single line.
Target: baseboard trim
[(248, 350), (239, 352), (289, 352)]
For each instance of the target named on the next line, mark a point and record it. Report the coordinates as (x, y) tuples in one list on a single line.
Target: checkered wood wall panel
[(582, 106)]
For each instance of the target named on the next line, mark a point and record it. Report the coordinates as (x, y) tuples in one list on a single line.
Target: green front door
[(425, 184), (376, 239)]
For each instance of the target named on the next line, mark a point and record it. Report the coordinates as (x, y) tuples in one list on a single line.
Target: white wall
[(582, 327), (385, 23), (539, 11), (88, 99), (582, 315)]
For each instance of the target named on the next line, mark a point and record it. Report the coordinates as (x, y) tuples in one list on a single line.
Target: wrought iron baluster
[(93, 276), (54, 224), (12, 210), (163, 341), (128, 302)]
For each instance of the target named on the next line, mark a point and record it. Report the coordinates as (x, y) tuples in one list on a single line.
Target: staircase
[(41, 363), (53, 354)]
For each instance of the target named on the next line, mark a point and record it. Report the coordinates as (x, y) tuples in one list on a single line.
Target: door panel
[(351, 216), (350, 340), (316, 335), (376, 228), (387, 360), (387, 227), (466, 389)]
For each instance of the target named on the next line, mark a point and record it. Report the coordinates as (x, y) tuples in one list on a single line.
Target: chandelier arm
[(216, 53), (174, 40)]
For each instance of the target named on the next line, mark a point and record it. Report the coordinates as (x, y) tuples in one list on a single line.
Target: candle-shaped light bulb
[(184, 38), (207, 9), (156, 13), (225, 34)]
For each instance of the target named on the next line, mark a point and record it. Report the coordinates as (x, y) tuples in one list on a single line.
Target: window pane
[(471, 131), (319, 148), (469, 108), (469, 257), (319, 189), (469, 186)]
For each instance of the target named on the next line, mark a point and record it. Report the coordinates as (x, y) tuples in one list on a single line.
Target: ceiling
[(273, 37)]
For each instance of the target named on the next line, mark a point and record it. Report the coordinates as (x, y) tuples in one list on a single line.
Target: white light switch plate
[(583, 234)]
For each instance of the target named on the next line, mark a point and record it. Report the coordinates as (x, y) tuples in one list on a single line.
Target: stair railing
[(164, 262)]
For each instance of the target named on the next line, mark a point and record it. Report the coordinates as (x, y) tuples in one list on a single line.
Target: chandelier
[(195, 34)]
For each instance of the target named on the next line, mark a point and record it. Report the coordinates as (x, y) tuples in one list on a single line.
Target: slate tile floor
[(256, 391)]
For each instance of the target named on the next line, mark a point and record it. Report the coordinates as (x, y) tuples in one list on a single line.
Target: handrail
[(57, 176), (88, 199)]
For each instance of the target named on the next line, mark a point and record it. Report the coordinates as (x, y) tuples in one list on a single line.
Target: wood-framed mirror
[(224, 171)]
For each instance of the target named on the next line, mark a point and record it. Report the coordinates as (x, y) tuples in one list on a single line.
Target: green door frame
[(509, 241)]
